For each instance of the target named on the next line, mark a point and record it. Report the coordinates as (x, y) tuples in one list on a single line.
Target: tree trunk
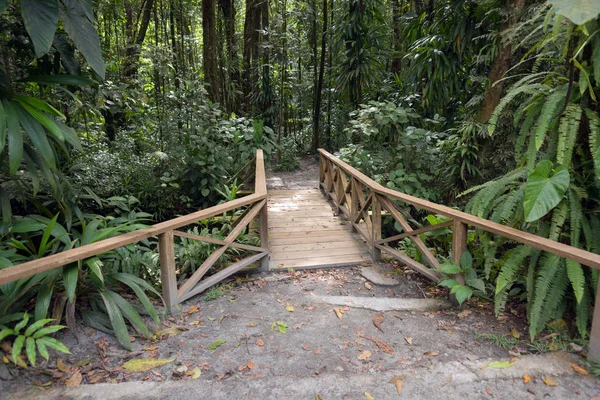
[(209, 42), (500, 65), (316, 143), (132, 52), (233, 73)]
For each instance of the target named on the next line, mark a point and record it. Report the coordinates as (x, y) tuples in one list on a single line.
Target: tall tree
[(209, 42), (136, 35), (317, 110), (500, 64)]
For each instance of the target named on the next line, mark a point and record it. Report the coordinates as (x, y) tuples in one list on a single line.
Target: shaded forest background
[(118, 113)]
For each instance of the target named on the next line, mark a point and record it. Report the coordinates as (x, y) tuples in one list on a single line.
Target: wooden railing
[(361, 200), (256, 204)]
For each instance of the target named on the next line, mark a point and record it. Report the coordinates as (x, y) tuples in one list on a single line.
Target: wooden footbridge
[(300, 229)]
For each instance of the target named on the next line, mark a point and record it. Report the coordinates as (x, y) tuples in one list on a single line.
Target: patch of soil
[(306, 176), (315, 340)]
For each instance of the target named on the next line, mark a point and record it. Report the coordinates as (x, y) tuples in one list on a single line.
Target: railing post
[(264, 237), (594, 352), (167, 269), (459, 245), (354, 207), (375, 227)]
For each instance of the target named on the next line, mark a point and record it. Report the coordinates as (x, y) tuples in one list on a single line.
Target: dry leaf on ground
[(368, 396), (489, 390), (192, 310), (381, 344), (145, 364), (398, 380), (62, 367), (364, 355), (378, 320), (368, 286), (431, 353), (526, 378), (339, 312), (515, 333), (74, 380), (260, 343), (289, 307), (195, 373), (408, 339), (579, 369), (549, 382)]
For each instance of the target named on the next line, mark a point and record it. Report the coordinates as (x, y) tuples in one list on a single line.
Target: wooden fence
[(359, 198), (256, 204)]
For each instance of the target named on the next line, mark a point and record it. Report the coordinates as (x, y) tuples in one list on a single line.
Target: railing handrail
[(560, 249), (43, 264)]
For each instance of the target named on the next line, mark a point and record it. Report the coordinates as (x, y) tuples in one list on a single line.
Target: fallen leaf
[(464, 313), (549, 382), (151, 348), (526, 378), (339, 312), (216, 344), (84, 362), (195, 373), (398, 380), (408, 339), (368, 286), (62, 367), (368, 396), (431, 353), (515, 333), (364, 355), (221, 318), (251, 324), (74, 380), (381, 344), (500, 364), (378, 320), (172, 330), (145, 364), (194, 322), (131, 339), (193, 309), (317, 397), (489, 390), (289, 307), (483, 367), (579, 369), (250, 365), (260, 343), (513, 360)]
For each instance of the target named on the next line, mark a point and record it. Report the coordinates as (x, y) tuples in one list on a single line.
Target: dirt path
[(305, 177), (282, 337)]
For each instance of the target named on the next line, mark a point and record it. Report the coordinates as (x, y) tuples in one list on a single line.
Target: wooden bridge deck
[(305, 233)]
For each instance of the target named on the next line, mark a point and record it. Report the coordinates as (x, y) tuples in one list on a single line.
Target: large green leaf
[(578, 11), (544, 190), (116, 320), (40, 18), (37, 135), (78, 24), (70, 275), (15, 137), (60, 80)]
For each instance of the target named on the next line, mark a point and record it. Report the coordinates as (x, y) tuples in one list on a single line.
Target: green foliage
[(31, 338), (473, 284), (544, 190)]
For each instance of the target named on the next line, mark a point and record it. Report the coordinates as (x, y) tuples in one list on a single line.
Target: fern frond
[(554, 306), (594, 136), (525, 131), (550, 264), (508, 212), (511, 262), (576, 217), (567, 134), (533, 89), (553, 103), (559, 216), (582, 313), (530, 278), (577, 278)]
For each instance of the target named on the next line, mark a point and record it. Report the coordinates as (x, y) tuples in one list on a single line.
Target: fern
[(533, 88), (509, 211), (577, 278), (567, 134), (594, 136), (525, 131), (559, 216), (550, 264), (511, 264), (553, 103), (554, 305), (582, 313)]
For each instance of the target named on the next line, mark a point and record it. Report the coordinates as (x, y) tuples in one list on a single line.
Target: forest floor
[(320, 334)]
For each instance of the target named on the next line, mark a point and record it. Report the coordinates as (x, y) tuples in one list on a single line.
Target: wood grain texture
[(311, 236)]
